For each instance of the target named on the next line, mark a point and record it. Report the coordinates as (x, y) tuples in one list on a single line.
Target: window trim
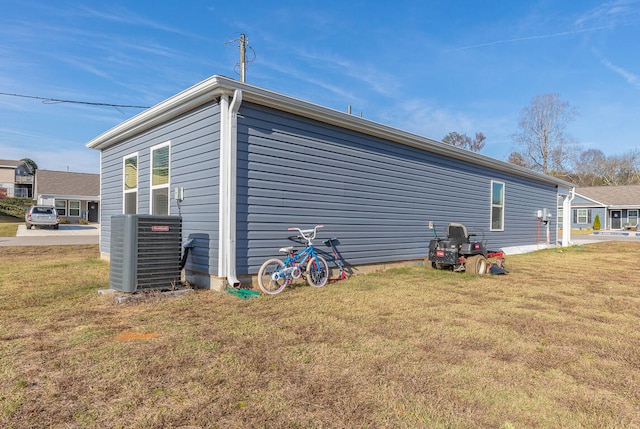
[(79, 208), (585, 216), (126, 191), (65, 211), (502, 206), (167, 185)]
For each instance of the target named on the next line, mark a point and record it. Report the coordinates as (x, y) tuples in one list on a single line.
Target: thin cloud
[(631, 78), (125, 16), (379, 81), (610, 13), (523, 39), (295, 72)]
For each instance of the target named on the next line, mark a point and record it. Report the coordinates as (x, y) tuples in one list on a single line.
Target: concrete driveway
[(66, 235)]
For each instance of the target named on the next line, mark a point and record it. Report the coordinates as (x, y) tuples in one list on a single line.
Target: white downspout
[(222, 186), (566, 218), (228, 187)]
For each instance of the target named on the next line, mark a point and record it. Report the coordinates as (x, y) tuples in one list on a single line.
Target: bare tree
[(589, 168), (516, 158), (622, 169), (542, 140), (465, 142), (594, 168)]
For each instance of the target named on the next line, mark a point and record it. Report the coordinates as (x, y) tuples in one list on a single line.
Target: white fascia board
[(216, 86), (204, 92), (623, 206)]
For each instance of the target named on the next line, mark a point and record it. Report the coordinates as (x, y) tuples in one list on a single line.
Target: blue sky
[(428, 67)]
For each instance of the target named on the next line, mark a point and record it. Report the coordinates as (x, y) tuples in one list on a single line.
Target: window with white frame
[(160, 161), (130, 184), (74, 208), (633, 217), (582, 216), (560, 216), (497, 206), (61, 207)]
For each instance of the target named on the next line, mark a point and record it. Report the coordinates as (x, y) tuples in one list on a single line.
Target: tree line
[(543, 145)]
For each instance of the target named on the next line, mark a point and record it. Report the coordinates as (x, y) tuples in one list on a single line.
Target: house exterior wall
[(194, 139), (7, 180), (376, 196), (72, 208), (7, 176)]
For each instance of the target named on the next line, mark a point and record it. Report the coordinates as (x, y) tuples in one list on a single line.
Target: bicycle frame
[(294, 261), (298, 260), (275, 274)]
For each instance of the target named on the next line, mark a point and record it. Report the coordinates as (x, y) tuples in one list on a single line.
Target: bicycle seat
[(287, 250)]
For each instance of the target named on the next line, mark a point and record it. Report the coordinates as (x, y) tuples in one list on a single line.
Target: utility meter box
[(145, 252)]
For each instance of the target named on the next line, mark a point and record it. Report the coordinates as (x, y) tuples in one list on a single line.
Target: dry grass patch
[(552, 344)]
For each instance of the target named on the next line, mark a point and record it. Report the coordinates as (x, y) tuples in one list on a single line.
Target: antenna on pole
[(244, 63)]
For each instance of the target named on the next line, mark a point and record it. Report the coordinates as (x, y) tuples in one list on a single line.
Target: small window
[(74, 208), (633, 217), (582, 216), (61, 207), (130, 184), (160, 160), (497, 206), (560, 216)]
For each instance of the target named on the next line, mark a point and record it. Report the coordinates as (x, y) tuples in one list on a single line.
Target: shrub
[(15, 206), (596, 223)]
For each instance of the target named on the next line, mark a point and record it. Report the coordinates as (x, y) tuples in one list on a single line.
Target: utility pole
[(243, 45), (243, 58)]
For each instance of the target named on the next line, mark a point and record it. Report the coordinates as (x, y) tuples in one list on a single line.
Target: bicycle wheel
[(317, 273), (266, 281)]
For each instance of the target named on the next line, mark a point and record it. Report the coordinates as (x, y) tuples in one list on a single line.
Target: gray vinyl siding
[(376, 196), (195, 150), (592, 212), (593, 208)]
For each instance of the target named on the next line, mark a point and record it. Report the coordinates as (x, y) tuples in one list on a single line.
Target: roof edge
[(216, 86)]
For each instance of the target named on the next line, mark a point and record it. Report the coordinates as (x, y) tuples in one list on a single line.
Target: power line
[(47, 100)]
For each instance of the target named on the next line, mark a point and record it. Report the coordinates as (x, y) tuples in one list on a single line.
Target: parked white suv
[(42, 216)]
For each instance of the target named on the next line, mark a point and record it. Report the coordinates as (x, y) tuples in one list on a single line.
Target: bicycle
[(275, 274), (337, 258)]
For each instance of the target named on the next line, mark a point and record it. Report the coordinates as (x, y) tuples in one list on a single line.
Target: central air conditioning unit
[(145, 252)]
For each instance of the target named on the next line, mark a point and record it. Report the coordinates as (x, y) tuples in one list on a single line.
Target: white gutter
[(566, 218), (228, 187), (218, 86)]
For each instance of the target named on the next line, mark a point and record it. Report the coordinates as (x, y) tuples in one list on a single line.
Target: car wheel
[(56, 226)]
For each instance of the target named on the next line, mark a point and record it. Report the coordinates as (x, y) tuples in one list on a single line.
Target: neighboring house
[(75, 195), (617, 206), (16, 179), (250, 163)]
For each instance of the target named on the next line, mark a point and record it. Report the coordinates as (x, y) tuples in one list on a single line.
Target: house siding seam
[(195, 146), (375, 195)]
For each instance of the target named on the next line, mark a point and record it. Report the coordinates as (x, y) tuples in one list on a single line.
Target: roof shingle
[(50, 182), (613, 195)]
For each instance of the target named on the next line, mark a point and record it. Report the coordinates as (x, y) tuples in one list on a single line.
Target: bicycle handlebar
[(307, 234)]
